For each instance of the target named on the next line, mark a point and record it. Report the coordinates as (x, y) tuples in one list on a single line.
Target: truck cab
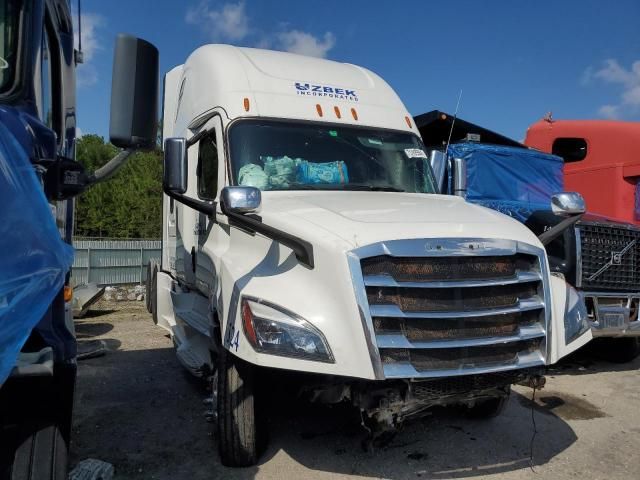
[(303, 232), (596, 153), (524, 183)]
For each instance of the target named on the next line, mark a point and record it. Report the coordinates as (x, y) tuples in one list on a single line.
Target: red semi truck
[(601, 162)]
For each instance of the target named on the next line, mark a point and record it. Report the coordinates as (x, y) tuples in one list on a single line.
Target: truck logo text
[(312, 90)]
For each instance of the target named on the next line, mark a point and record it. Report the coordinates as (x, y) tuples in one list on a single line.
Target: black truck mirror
[(134, 93), (175, 166)]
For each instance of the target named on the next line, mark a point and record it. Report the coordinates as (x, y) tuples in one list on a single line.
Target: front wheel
[(237, 423), (619, 350), (40, 454)]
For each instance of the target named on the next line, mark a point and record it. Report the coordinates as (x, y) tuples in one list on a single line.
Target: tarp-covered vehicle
[(39, 178), (597, 255)]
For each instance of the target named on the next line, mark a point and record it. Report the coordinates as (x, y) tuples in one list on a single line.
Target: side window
[(570, 149), (208, 167)]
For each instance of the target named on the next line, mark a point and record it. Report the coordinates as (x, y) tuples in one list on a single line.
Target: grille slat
[(610, 257), (389, 281), (394, 311), (464, 357), (402, 341)]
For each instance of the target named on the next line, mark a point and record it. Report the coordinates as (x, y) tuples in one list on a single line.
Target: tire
[(41, 454), (154, 293), (619, 350), (147, 286), (489, 408), (237, 425)]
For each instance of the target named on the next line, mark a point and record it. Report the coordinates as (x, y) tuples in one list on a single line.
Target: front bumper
[(613, 314)]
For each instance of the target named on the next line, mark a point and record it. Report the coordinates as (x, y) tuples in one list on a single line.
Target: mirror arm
[(110, 168), (554, 232), (208, 209), (302, 249)]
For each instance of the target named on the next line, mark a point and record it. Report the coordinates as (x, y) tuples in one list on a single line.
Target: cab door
[(208, 179), (570, 328)]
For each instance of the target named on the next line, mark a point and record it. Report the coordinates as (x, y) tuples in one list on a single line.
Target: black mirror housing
[(174, 178), (134, 93)]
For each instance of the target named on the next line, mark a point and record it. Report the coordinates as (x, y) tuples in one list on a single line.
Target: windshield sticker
[(415, 153), (311, 90), (333, 133), (374, 141)]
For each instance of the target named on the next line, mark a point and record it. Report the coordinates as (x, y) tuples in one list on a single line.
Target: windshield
[(9, 16), (275, 155)]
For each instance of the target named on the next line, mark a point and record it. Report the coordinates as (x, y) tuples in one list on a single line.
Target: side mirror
[(241, 199), (459, 166), (134, 94), (567, 203), (175, 166), (438, 161)]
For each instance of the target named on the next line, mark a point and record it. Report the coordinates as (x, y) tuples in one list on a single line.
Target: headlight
[(274, 330), (575, 315)]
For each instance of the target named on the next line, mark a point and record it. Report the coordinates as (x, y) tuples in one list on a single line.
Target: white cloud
[(609, 111), (87, 74), (229, 22), (304, 43), (613, 73)]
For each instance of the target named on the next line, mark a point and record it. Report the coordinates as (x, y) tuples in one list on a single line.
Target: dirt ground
[(137, 409)]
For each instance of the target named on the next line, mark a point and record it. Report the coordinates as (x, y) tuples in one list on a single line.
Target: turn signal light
[(247, 320), (67, 293)]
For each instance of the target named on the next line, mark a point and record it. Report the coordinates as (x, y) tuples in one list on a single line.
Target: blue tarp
[(514, 181), (33, 258)]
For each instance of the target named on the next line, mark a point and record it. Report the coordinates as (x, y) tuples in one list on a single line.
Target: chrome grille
[(458, 308), (610, 257)]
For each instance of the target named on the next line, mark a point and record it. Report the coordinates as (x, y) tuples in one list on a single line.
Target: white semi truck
[(301, 232)]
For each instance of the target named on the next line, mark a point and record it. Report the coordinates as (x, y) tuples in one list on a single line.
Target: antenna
[(79, 56), (455, 115)]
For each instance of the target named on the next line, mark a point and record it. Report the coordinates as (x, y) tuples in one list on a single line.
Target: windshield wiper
[(297, 186), (334, 186), (372, 188)]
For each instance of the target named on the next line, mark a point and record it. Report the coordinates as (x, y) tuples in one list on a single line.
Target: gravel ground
[(137, 409)]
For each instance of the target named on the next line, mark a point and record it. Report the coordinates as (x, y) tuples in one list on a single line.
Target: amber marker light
[(247, 320), (354, 114), (319, 109), (246, 104), (337, 110), (406, 119), (67, 293)]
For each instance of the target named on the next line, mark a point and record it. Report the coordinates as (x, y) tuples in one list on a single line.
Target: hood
[(362, 218)]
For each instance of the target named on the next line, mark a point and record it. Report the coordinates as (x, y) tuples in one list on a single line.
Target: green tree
[(129, 205)]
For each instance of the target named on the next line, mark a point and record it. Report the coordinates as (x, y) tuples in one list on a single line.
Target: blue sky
[(514, 60)]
